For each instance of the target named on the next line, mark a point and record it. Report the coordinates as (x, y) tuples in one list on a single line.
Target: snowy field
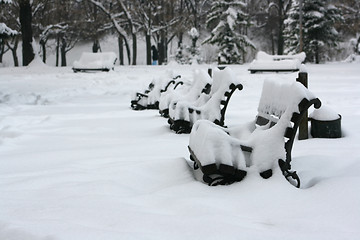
[(77, 163)]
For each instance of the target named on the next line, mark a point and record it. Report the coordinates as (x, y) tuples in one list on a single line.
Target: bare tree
[(144, 12), (197, 10), (116, 16), (166, 25), (131, 25), (13, 45)]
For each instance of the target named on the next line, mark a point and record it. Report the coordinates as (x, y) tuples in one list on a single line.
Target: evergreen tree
[(230, 29), (319, 19), (292, 30), (189, 54)]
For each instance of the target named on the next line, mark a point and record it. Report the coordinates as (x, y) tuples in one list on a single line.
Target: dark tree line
[(159, 22)]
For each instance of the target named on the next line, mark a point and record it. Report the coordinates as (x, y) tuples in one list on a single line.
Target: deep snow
[(77, 163)]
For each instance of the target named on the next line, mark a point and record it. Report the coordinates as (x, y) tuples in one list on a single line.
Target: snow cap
[(324, 113)]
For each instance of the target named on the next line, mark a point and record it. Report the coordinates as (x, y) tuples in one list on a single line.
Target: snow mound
[(37, 64), (324, 113), (353, 58), (23, 98)]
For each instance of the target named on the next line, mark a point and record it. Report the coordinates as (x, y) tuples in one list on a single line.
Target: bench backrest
[(278, 98), (224, 85), (285, 102), (101, 56), (262, 56), (201, 82), (96, 60)]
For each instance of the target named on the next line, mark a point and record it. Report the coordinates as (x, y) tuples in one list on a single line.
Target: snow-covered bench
[(150, 98), (224, 154), (212, 106), (276, 63), (201, 84), (103, 61)]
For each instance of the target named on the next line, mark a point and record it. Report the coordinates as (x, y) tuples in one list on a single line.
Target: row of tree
[(234, 26)]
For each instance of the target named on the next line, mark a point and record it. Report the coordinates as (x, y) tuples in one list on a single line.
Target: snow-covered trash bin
[(102, 61), (325, 123)]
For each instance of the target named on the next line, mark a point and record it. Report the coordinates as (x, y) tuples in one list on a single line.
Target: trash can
[(325, 123)]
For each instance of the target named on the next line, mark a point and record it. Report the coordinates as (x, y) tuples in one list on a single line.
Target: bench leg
[(266, 174), (291, 176)]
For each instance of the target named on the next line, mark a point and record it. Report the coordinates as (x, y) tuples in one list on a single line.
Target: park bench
[(102, 61), (224, 154), (201, 84), (212, 106), (149, 99), (276, 63)]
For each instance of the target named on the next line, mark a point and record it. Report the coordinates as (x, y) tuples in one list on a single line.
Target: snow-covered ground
[(77, 163)]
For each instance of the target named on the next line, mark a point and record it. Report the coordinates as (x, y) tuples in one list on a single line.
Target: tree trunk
[(13, 51), (63, 53), (181, 35), (57, 50), (127, 50), (357, 50), (2, 49), (165, 50), (134, 48), (43, 47), (162, 48), (280, 43), (148, 48), (161, 51), (272, 43), (317, 55), (121, 50), (15, 58), (26, 31), (281, 29)]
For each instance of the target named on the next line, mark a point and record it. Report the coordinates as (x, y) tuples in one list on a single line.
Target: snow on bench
[(276, 63), (201, 84), (224, 154), (212, 107), (103, 61), (149, 99)]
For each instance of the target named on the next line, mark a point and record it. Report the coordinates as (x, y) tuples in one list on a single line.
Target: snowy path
[(77, 163)]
